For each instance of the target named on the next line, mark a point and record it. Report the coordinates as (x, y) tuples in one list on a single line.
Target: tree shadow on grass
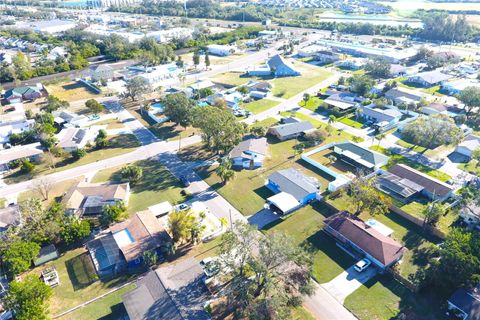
[(155, 178), (81, 271)]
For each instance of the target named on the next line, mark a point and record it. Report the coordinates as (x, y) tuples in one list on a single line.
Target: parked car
[(362, 265), (185, 181), (210, 266), (183, 207)]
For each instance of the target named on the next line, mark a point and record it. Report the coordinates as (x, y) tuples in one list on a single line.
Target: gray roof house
[(359, 156), (430, 78), (9, 217), (465, 302), (281, 67), (398, 187), (173, 292), (380, 114), (403, 95), (468, 145), (291, 129), (250, 153), (341, 100)]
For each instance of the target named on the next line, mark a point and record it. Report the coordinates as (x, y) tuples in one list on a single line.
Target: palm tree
[(145, 108), (380, 137), (182, 78), (225, 171), (332, 119), (306, 97)]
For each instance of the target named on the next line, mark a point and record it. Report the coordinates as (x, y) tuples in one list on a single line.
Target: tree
[(19, 256), (29, 298), (431, 132), (178, 107), (43, 186), (54, 103), (261, 285), (332, 119), (306, 97), (136, 87), (132, 173), (316, 136), (27, 166), (79, 153), (196, 59), (258, 131), (207, 60), (243, 90), (150, 258), (366, 197), (179, 63), (101, 139), (361, 84), (378, 67), (470, 96), (180, 224), (476, 156), (432, 214), (74, 229), (94, 106), (113, 213), (225, 171)]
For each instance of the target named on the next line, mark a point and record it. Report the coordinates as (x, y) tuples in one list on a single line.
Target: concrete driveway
[(348, 281)]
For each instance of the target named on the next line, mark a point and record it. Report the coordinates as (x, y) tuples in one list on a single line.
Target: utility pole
[(230, 215)]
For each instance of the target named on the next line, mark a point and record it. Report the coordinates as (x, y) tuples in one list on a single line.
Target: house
[(250, 153), (457, 86), (277, 66), (432, 188), (344, 101), (359, 157), (259, 90), (221, 50), (101, 72), (465, 303), (31, 151), (71, 139), (309, 51), (468, 145), (46, 254), (7, 128), (397, 70), (325, 56), (52, 26), (292, 189), (25, 93), (290, 130), (352, 64), (470, 213), (174, 292), (440, 108), (10, 216), (88, 199), (159, 75), (401, 95), (124, 244), (378, 114), (402, 189), (57, 52), (353, 233), (67, 118), (429, 79)]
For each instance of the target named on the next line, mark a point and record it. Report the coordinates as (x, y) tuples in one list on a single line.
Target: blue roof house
[(276, 66)]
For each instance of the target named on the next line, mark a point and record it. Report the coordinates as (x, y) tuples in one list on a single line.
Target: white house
[(8, 128), (158, 75), (249, 154), (53, 26), (57, 52), (70, 139), (467, 146), (458, 85), (430, 78), (221, 50)]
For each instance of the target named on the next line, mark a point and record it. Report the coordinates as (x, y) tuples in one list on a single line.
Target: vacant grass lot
[(71, 91), (396, 158), (110, 123), (164, 131), (78, 281), (157, 185), (117, 145), (259, 106)]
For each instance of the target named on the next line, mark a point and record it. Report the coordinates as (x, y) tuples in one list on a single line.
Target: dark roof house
[(359, 156), (23, 93), (400, 188), (355, 233), (466, 303)]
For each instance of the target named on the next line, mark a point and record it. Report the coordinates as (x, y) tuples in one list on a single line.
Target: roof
[(467, 300), (71, 137), (381, 114), (471, 142), (278, 61), (285, 130), (150, 300), (145, 231), (341, 100), (401, 186), (284, 201), (20, 152), (400, 92), (430, 184), (21, 91), (77, 195), (440, 107), (397, 68), (433, 77), (104, 251), (382, 248), (102, 67), (9, 216), (295, 183), (365, 156), (254, 145), (46, 254)]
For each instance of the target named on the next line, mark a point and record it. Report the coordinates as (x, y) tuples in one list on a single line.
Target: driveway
[(263, 218), (347, 282)]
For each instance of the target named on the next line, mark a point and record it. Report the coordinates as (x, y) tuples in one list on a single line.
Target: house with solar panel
[(124, 244)]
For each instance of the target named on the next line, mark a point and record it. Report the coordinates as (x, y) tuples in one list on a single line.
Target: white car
[(362, 265)]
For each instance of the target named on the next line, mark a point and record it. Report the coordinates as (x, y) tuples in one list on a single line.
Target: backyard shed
[(46, 254)]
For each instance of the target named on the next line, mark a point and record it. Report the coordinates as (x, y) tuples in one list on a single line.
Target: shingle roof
[(370, 156), (295, 183), (285, 130), (20, 91), (433, 77), (258, 145), (401, 186), (430, 184), (382, 248), (9, 216), (471, 142), (74, 199), (467, 300), (380, 114)]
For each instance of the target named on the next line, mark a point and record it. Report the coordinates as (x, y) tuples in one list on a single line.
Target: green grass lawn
[(78, 281), (268, 122), (350, 121), (301, 313), (290, 86), (472, 167), (157, 185), (259, 106), (312, 104), (108, 308), (117, 145), (396, 158), (164, 131), (232, 78)]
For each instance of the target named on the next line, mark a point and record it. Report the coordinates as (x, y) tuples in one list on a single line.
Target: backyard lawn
[(78, 281), (163, 131), (110, 123), (71, 91), (268, 122), (259, 106), (396, 158), (472, 167), (117, 145), (157, 185), (437, 153)]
